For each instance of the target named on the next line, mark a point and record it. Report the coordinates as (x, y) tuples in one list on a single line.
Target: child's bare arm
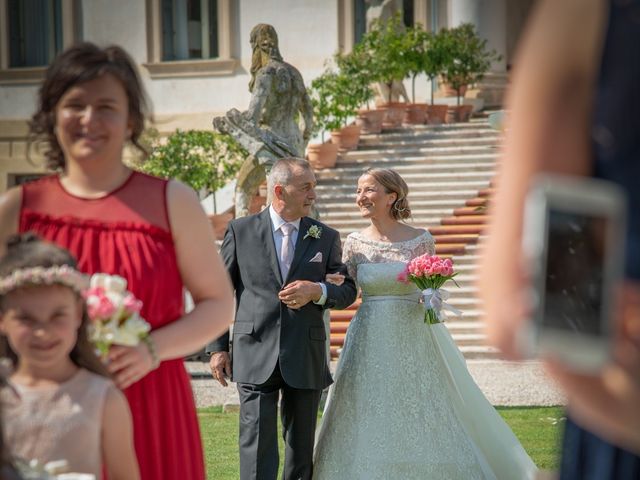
[(118, 454)]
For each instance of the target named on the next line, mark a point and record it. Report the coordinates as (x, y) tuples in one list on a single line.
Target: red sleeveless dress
[(127, 233)]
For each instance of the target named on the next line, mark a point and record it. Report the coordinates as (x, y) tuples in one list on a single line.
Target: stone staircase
[(448, 169)]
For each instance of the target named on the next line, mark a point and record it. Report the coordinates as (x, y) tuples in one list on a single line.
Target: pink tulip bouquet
[(429, 273), (114, 313)]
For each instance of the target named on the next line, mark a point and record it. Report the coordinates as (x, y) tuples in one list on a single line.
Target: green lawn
[(538, 428)]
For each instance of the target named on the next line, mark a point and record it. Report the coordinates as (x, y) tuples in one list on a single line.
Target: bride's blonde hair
[(393, 183)]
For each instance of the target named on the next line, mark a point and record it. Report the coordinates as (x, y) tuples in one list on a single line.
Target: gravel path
[(504, 384)]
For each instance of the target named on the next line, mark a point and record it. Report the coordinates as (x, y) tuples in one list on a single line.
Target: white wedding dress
[(403, 405)]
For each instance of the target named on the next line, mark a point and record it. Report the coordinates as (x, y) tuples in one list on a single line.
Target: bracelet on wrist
[(151, 346)]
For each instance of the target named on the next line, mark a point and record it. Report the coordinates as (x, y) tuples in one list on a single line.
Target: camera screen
[(574, 272)]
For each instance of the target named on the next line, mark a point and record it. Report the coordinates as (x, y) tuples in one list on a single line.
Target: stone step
[(463, 302), (477, 202), (347, 196), (468, 260), (328, 215), (463, 211), (343, 224), (436, 204), (487, 192), (466, 220), (463, 268), (427, 140), (456, 229), (469, 339), (466, 239), (471, 131), (464, 281), (416, 179), (442, 129), (463, 326), (350, 171), (391, 160), (454, 151), (450, 187)]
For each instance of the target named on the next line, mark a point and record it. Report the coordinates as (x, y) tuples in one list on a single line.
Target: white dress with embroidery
[(403, 404)]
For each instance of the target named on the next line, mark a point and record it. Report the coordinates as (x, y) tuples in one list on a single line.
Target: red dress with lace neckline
[(127, 233)]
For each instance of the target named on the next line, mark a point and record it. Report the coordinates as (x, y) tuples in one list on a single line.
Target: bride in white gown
[(403, 405)]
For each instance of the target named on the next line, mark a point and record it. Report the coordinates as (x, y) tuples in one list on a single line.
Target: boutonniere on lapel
[(313, 232)]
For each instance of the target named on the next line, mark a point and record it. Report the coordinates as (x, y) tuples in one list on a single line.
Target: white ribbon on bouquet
[(435, 299)]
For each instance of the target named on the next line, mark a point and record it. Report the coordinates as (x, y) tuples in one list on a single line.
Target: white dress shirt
[(277, 221)]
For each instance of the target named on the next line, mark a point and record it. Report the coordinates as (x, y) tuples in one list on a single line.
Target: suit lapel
[(302, 244), (265, 232)]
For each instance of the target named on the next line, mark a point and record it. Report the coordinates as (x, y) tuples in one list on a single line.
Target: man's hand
[(334, 278), (297, 294), (220, 364)]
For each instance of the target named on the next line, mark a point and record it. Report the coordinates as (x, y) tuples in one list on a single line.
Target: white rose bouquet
[(114, 313)]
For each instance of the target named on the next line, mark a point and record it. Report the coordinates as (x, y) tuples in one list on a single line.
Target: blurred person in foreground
[(150, 231), (572, 112)]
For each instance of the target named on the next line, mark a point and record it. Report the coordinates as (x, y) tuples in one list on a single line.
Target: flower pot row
[(394, 115)]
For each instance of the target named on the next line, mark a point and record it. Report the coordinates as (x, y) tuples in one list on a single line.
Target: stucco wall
[(307, 30)]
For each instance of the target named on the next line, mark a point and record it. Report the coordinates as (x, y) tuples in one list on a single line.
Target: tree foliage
[(468, 57), (206, 161)]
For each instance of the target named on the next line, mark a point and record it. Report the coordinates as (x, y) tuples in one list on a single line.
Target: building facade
[(194, 55)]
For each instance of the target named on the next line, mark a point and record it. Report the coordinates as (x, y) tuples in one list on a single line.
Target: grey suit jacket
[(266, 330)]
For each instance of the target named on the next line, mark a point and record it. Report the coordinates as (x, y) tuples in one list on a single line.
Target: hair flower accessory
[(56, 275), (313, 232), (114, 313)]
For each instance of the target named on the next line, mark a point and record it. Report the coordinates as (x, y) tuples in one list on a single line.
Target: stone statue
[(268, 129), (382, 11)]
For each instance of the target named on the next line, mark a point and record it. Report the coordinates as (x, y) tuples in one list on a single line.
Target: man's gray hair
[(282, 171)]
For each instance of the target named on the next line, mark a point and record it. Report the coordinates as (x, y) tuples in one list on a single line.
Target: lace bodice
[(360, 250)]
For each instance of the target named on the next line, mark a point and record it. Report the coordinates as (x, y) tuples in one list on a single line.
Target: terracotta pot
[(459, 113), (346, 138), (415, 113), (322, 155), (448, 91), (437, 114), (370, 121), (219, 223), (394, 114)]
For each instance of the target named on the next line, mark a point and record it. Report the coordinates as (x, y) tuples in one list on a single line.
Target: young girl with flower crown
[(64, 406)]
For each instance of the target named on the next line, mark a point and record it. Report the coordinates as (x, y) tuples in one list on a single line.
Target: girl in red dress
[(150, 231)]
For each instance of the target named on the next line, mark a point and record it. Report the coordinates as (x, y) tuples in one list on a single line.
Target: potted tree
[(385, 43), (468, 62), (333, 106), (204, 160), (415, 42), (359, 68), (436, 57)]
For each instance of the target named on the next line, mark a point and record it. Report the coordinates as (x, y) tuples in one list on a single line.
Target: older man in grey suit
[(278, 261)]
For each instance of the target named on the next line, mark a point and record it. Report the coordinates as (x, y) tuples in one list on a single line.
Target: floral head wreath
[(57, 275)]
